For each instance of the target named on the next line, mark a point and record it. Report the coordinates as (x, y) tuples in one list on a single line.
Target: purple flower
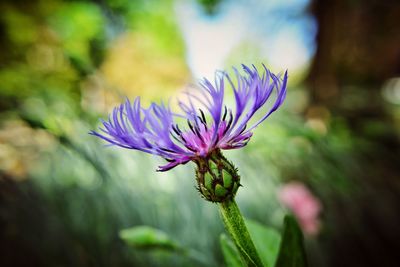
[(211, 125)]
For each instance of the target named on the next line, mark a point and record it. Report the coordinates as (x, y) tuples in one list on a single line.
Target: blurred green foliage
[(78, 25)]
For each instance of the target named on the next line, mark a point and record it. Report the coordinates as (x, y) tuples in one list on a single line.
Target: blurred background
[(64, 196)]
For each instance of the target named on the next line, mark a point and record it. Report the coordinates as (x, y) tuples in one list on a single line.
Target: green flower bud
[(217, 178)]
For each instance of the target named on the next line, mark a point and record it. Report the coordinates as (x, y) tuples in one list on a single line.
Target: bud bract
[(217, 178)]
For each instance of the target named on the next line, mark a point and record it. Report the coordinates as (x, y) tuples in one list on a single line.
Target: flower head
[(211, 125), (154, 130)]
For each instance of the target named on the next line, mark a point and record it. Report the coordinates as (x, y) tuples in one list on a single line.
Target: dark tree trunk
[(358, 50)]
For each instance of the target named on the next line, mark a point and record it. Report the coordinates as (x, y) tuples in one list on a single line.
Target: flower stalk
[(237, 229)]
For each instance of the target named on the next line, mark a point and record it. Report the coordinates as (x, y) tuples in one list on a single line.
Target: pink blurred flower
[(304, 205)]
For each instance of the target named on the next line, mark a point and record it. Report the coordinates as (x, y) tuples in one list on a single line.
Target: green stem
[(236, 227)]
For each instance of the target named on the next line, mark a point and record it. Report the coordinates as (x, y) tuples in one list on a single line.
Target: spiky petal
[(211, 125)]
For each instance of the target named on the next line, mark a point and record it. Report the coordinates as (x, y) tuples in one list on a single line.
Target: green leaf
[(266, 240), (291, 252), (231, 255), (146, 237)]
